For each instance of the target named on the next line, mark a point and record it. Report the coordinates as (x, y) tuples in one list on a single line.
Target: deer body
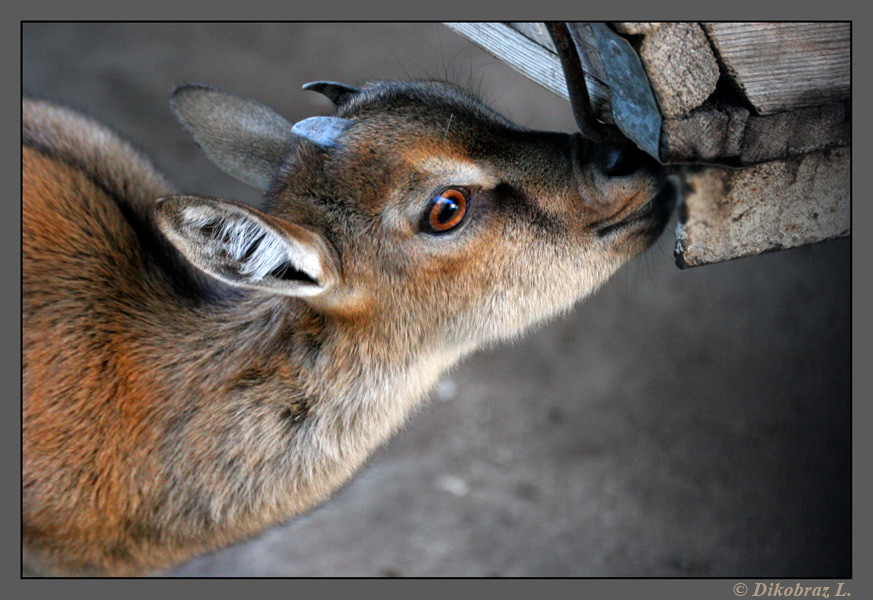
[(196, 370)]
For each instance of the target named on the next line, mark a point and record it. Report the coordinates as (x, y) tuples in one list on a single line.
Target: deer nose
[(616, 161)]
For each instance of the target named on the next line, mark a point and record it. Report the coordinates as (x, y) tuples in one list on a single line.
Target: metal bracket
[(609, 58)]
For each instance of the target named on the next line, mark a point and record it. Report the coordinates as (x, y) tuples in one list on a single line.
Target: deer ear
[(246, 248), (245, 138)]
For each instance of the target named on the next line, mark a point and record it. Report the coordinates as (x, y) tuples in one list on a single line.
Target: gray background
[(679, 423)]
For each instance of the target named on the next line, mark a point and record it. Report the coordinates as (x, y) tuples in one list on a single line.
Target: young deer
[(196, 370)]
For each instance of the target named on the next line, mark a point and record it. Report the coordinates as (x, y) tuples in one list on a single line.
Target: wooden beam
[(681, 67), (731, 135), (536, 32), (785, 66), (518, 51), (636, 27), (531, 59), (732, 213)]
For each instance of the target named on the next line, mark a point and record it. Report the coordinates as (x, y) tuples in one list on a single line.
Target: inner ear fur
[(244, 247)]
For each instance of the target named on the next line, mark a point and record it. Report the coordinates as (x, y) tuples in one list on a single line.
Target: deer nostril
[(616, 161)]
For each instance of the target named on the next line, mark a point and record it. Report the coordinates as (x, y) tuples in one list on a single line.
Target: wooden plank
[(784, 66), (796, 132), (518, 51), (636, 27), (536, 32), (732, 213), (731, 135), (681, 67), (709, 135), (532, 60)]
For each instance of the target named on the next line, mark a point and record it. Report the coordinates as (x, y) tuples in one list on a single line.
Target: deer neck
[(293, 408)]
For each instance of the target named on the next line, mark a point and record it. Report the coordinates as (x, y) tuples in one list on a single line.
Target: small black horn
[(337, 92)]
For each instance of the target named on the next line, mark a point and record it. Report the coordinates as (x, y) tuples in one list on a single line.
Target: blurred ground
[(678, 423)]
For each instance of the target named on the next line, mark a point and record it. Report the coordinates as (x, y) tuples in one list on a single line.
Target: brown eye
[(446, 210)]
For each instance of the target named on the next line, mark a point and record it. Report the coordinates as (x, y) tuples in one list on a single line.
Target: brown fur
[(167, 412)]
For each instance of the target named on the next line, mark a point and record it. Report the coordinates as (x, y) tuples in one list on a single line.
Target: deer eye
[(446, 210)]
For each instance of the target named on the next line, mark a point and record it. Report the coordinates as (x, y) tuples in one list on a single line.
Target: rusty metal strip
[(576, 85), (634, 108)]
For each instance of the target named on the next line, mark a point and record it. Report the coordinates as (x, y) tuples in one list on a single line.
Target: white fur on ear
[(256, 250), (238, 245)]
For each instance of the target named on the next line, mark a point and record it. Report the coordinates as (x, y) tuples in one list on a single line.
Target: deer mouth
[(652, 217)]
